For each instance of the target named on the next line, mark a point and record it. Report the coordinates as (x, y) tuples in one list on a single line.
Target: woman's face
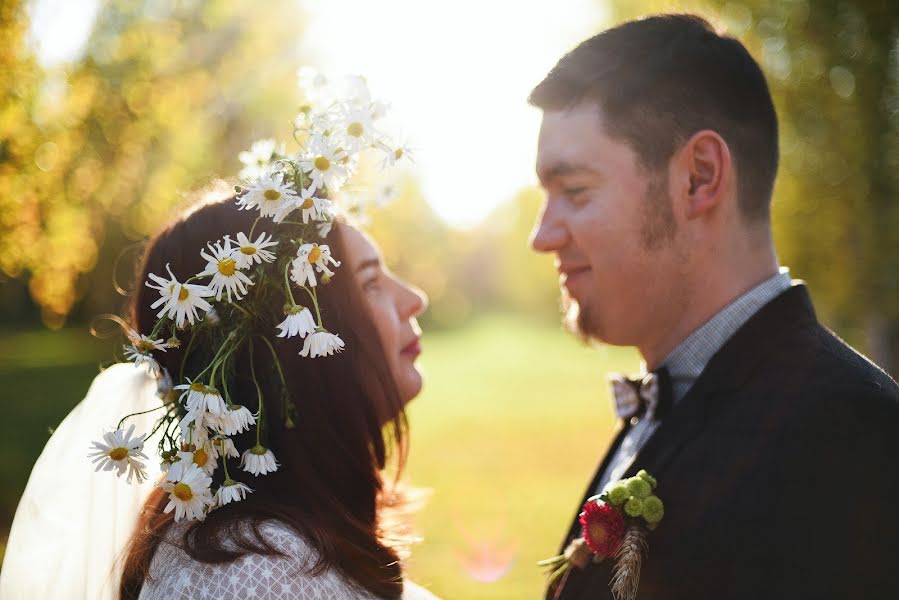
[(394, 306)]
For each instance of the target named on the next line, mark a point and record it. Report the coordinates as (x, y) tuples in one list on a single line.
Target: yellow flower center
[(322, 164), (314, 255), (306, 204), (183, 492), (200, 457), (197, 387), (398, 153), (118, 453), (144, 346), (355, 129), (598, 532), (183, 294), (248, 250), (227, 267), (272, 195)]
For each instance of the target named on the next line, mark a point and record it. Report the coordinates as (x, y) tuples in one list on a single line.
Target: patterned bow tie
[(635, 397)]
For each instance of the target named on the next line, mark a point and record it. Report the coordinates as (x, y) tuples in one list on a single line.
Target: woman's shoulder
[(174, 574)]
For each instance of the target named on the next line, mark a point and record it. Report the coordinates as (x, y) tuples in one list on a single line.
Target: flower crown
[(294, 190)]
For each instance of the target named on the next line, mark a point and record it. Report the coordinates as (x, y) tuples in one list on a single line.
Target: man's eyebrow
[(368, 264), (562, 169)]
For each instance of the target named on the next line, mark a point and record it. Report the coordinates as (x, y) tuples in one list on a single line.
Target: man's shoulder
[(827, 381)]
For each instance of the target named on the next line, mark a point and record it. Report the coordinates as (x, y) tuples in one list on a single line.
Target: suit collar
[(728, 370)]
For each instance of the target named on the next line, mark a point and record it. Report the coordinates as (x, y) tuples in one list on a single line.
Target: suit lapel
[(617, 437), (727, 370)]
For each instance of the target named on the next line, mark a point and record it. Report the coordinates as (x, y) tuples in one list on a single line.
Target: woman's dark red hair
[(329, 487)]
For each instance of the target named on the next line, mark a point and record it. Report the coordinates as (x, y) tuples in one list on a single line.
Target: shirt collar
[(686, 362)]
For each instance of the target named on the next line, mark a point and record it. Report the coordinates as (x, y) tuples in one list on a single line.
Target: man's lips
[(569, 274)]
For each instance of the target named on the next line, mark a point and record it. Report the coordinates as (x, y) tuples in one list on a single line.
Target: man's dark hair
[(661, 79)]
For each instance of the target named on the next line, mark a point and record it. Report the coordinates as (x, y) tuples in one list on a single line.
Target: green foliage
[(833, 70), (98, 152)]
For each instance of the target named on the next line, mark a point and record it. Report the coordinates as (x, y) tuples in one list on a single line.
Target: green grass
[(510, 425), (507, 432)]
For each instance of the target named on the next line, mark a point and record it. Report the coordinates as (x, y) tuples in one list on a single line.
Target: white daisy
[(180, 300), (314, 85), (193, 433), (309, 205), (258, 460), (226, 445), (120, 452), (189, 491), (324, 162), (236, 419), (257, 158), (246, 253), (268, 192), (222, 266), (299, 322), (392, 154), (202, 457), (231, 491), (309, 255), (322, 343), (140, 348), (200, 399), (358, 129)]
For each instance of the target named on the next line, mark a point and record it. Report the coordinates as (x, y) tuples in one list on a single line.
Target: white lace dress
[(176, 576)]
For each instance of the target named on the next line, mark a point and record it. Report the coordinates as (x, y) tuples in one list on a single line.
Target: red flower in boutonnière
[(603, 528)]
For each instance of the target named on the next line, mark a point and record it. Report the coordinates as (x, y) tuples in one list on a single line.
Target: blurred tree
[(97, 152), (833, 69)]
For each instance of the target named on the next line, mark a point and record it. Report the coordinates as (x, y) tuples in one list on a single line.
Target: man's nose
[(549, 233)]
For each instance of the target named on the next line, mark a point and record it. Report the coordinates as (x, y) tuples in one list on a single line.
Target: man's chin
[(576, 319)]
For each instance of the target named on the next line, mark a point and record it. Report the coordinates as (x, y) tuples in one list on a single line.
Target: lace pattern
[(176, 576)]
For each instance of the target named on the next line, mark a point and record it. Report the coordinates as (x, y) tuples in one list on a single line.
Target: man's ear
[(706, 163)]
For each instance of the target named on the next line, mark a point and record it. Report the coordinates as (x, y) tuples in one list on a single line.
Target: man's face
[(610, 224)]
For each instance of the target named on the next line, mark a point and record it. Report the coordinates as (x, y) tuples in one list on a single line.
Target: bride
[(283, 375)]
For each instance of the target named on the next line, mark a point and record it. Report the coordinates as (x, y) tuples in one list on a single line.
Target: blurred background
[(113, 112)]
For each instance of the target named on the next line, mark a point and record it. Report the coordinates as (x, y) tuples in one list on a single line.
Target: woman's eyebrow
[(368, 264)]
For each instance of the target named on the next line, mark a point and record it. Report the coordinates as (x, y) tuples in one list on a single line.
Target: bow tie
[(650, 395)]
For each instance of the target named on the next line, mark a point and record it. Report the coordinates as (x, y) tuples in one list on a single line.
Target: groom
[(775, 445)]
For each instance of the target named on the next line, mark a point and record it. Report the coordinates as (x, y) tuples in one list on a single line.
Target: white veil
[(72, 524)]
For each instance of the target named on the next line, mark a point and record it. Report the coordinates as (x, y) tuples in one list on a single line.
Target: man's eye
[(575, 194)]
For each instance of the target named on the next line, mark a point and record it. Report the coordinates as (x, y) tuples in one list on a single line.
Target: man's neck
[(703, 303)]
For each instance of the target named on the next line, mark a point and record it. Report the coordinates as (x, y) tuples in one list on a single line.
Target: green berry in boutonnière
[(653, 510), (618, 494), (633, 507), (639, 488), (642, 474)]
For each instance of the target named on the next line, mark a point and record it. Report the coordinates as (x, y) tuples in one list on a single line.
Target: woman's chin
[(411, 385)]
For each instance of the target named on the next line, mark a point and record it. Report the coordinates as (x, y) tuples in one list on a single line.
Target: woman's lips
[(413, 349)]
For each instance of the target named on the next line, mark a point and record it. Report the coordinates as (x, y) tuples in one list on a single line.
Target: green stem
[(258, 392), (253, 228), (215, 359), (287, 284), (314, 295), (119, 426), (275, 357), (241, 309), (190, 343), (224, 459)]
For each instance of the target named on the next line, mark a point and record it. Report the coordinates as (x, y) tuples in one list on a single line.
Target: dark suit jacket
[(779, 471)]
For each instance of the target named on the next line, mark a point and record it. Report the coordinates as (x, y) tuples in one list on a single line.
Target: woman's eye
[(371, 285)]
